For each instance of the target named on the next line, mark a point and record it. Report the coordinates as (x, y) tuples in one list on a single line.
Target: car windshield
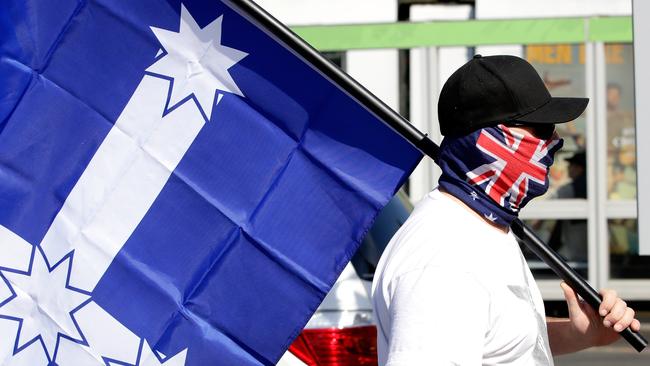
[(389, 220)]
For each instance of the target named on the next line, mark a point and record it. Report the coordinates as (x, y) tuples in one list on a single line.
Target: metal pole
[(337, 76), (423, 143)]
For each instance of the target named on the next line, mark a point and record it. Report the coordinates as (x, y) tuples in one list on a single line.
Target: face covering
[(496, 171)]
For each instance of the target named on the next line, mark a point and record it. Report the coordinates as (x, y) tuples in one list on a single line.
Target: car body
[(342, 331)]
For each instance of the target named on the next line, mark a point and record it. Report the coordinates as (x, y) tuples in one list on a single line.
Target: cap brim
[(557, 110)]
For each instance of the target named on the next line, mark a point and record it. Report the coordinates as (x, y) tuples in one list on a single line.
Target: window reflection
[(621, 158), (562, 67), (625, 261), (567, 237), (576, 187)]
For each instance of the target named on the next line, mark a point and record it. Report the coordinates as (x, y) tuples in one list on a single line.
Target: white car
[(342, 332)]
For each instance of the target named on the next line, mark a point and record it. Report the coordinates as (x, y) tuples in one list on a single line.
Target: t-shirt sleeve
[(438, 317)]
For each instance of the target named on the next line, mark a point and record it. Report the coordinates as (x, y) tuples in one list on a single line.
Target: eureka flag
[(176, 186)]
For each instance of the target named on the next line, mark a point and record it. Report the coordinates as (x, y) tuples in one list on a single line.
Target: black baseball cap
[(490, 90)]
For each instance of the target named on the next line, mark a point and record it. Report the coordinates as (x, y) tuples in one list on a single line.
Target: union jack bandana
[(496, 171)]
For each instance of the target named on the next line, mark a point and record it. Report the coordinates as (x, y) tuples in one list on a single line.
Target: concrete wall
[(642, 94), (313, 12), (508, 9)]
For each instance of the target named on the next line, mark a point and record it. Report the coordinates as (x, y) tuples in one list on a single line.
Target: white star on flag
[(149, 358), (42, 303), (490, 217), (197, 62), (474, 196)]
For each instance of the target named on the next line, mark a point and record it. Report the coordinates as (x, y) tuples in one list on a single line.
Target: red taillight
[(354, 346)]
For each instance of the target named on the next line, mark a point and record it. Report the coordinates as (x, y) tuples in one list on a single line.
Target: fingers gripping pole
[(570, 276)]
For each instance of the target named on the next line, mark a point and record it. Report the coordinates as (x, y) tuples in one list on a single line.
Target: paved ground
[(617, 354)]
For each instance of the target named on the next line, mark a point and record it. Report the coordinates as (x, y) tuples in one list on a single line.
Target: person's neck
[(501, 228)]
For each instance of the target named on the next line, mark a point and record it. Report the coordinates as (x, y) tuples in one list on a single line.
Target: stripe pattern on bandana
[(496, 171)]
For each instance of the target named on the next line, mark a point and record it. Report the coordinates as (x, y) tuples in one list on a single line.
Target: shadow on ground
[(617, 354)]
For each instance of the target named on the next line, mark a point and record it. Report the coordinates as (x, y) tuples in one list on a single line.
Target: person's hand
[(599, 329)]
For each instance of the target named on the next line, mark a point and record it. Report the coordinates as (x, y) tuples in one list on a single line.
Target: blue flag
[(176, 186)]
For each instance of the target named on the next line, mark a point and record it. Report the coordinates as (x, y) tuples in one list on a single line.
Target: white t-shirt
[(452, 290)]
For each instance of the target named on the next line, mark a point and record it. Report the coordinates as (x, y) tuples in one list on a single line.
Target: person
[(569, 236), (577, 187), (452, 287)]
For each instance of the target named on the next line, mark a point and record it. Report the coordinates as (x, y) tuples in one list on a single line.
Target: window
[(625, 261), (562, 67), (621, 155), (568, 237)]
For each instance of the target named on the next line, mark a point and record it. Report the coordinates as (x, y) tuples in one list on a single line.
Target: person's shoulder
[(448, 219), (438, 233), (440, 210), (433, 225)]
